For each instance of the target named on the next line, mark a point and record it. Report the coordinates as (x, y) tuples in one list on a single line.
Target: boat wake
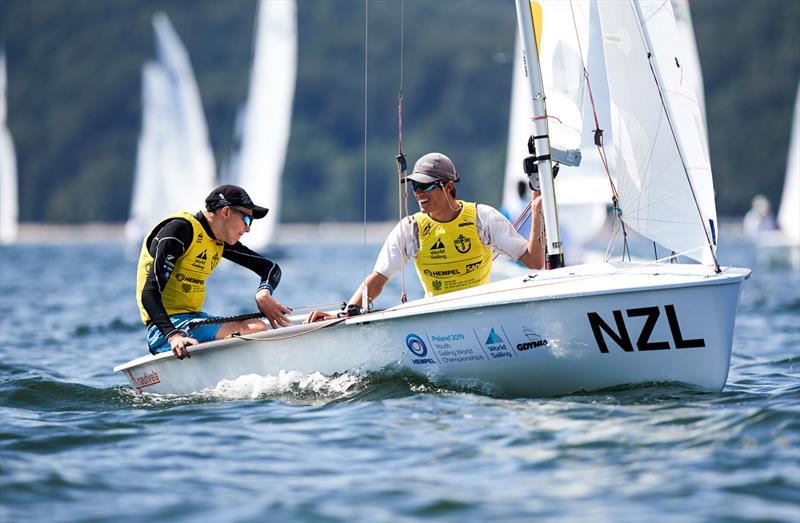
[(291, 384)]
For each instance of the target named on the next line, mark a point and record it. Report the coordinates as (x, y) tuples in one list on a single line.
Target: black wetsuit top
[(176, 234)]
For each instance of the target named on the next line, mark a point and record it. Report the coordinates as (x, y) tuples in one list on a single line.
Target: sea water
[(76, 443)]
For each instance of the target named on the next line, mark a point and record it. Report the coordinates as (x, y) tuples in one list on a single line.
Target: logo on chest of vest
[(462, 243), (437, 250), (200, 260)]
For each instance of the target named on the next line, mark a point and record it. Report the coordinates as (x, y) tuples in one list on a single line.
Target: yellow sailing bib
[(451, 255), (186, 287)]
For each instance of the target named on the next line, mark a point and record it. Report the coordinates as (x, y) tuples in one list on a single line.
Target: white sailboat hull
[(585, 327)]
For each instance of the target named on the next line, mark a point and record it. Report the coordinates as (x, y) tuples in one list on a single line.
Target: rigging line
[(650, 55), (364, 291), (598, 142), (402, 188)]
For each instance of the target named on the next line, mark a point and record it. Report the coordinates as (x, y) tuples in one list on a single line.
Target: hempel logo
[(418, 348)]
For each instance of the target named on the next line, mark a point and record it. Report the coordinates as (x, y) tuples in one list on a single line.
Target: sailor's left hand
[(536, 201), (272, 309)]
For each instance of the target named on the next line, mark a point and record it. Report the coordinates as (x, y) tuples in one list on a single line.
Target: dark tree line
[(74, 69)]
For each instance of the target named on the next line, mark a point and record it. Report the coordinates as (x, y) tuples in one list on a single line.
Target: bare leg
[(241, 327)]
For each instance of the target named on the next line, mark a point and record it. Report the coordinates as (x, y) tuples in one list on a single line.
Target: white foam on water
[(296, 383)]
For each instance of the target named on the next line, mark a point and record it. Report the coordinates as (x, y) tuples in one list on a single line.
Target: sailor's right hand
[(318, 316), (179, 343)]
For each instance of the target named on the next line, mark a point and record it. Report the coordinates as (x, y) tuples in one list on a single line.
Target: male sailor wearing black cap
[(451, 241), (179, 255)]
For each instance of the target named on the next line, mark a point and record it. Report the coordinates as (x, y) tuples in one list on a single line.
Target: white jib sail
[(789, 210), (8, 169), (267, 116), (659, 194), (683, 21), (175, 164)]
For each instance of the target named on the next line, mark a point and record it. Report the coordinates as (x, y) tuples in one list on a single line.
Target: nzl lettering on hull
[(621, 333)]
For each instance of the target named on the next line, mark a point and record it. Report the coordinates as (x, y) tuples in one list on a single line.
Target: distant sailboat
[(789, 211), (8, 169), (174, 161), (266, 120), (781, 247)]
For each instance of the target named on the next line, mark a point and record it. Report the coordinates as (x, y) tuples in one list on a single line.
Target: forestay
[(663, 172)]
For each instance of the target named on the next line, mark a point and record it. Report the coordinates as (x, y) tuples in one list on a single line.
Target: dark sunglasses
[(423, 187), (246, 218)]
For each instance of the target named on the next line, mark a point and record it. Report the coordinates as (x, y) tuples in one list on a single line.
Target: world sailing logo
[(493, 338), (497, 346)]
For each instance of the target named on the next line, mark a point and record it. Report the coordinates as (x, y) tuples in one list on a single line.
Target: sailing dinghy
[(583, 327)]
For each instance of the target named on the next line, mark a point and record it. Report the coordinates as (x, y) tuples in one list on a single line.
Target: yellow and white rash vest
[(185, 290), (451, 255)]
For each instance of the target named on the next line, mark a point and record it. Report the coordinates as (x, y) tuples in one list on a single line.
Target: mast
[(540, 129)]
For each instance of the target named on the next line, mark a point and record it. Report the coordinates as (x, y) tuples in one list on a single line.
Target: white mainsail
[(789, 210), (663, 172), (583, 193), (8, 169), (174, 162), (268, 113)]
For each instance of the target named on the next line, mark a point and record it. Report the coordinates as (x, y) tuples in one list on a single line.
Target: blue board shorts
[(157, 343)]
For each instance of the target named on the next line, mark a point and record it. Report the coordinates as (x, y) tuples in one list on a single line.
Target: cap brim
[(259, 212), (421, 178)]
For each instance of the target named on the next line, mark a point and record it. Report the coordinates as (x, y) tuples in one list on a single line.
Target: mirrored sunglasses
[(423, 187), (246, 218)]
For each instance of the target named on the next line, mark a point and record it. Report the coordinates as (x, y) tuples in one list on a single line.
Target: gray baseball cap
[(433, 167)]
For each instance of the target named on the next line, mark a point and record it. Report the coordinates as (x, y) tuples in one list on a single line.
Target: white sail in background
[(789, 210), (8, 169), (174, 162), (663, 172), (267, 116)]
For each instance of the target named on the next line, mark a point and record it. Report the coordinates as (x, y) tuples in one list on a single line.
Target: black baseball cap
[(228, 195)]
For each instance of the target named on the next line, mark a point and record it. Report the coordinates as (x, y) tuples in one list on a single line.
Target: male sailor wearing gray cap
[(179, 255), (450, 240)]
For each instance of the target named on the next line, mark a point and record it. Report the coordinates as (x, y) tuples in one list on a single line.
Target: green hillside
[(74, 69)]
